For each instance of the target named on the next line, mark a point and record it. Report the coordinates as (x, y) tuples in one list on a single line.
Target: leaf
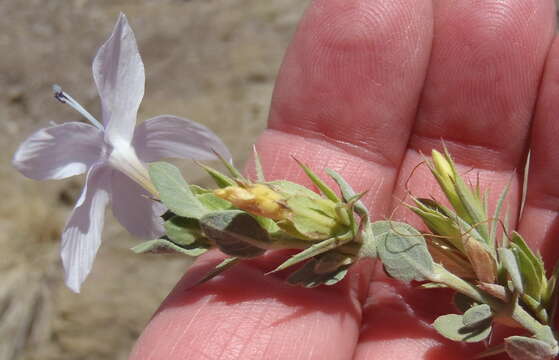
[(235, 232), (163, 245), (219, 268), (330, 261), (509, 262), (307, 277), (403, 251), (314, 250), (525, 348), (174, 191), (220, 179), (232, 170), (452, 327), (182, 231), (321, 185), (478, 316)]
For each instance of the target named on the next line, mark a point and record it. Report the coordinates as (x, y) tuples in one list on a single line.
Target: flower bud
[(258, 199)]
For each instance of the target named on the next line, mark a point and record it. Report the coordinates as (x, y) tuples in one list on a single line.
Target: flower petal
[(119, 74), (82, 236), (133, 208), (59, 151), (168, 136)]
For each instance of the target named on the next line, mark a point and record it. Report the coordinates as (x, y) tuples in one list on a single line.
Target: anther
[(64, 98)]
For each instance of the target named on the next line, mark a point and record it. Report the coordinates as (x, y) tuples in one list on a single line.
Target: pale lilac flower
[(112, 153)]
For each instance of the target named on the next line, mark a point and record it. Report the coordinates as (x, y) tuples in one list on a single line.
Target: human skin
[(365, 88)]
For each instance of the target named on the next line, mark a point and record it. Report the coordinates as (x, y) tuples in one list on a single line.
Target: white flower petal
[(82, 236), (168, 136), (133, 208), (59, 151), (119, 74)]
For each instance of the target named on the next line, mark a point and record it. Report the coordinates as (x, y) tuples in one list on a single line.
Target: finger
[(540, 223), (340, 48), (479, 93), (348, 91)]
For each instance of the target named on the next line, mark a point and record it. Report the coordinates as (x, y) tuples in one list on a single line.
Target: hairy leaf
[(525, 348), (235, 232), (403, 251), (452, 327), (174, 191)]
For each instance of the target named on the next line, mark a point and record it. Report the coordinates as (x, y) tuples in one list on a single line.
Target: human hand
[(364, 88)]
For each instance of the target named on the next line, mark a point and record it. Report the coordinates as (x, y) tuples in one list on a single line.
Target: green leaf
[(478, 316), (452, 327), (525, 348), (513, 269), (163, 245), (403, 251), (182, 231), (306, 276), (174, 191), (314, 250), (325, 189), (236, 233), (219, 268), (220, 179)]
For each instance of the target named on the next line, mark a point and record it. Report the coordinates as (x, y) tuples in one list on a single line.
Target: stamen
[(64, 98)]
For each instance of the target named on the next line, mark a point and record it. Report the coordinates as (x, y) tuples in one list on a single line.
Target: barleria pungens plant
[(497, 278)]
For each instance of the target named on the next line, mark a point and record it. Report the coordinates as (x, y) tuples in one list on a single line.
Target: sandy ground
[(211, 61)]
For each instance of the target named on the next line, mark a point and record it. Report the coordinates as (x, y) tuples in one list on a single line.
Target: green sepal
[(321, 185), (531, 267), (221, 180), (314, 250), (403, 251), (363, 231), (236, 233), (163, 245), (227, 263), (174, 192), (508, 260)]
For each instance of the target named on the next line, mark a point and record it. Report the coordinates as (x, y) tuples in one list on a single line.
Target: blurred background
[(213, 61)]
